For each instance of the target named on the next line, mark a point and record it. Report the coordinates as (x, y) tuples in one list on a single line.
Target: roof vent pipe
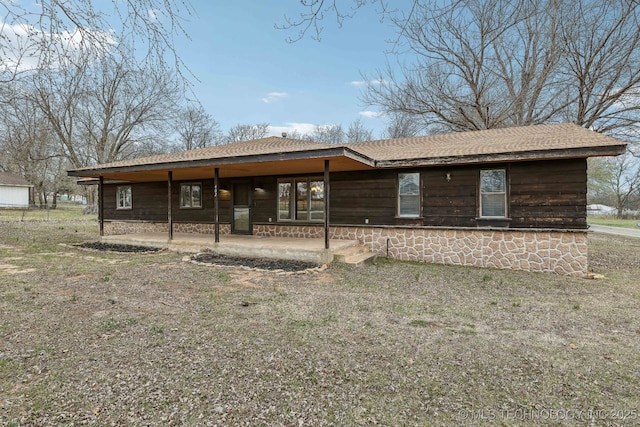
[(284, 134)]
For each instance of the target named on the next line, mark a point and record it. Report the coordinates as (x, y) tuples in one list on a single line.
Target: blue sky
[(250, 74)]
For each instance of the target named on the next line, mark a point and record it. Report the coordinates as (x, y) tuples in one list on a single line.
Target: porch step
[(356, 256)]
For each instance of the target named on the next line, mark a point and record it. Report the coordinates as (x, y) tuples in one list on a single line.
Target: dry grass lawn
[(99, 338)]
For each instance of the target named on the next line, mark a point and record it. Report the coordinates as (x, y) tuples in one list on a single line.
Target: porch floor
[(299, 249)]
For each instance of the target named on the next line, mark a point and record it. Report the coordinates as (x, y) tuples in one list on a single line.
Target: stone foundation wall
[(297, 231), (200, 228), (562, 252), (124, 227), (132, 227)]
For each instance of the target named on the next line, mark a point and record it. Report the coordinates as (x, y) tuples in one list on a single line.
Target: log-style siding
[(148, 200), (541, 194), (149, 203), (356, 196), (206, 213), (549, 194), (453, 202), (265, 199)]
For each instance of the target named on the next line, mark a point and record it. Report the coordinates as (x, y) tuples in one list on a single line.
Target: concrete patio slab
[(311, 250)]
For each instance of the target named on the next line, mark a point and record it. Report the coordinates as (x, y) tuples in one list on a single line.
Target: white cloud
[(154, 14), (22, 45), (360, 83), (630, 99), (289, 128), (372, 114), (273, 97)]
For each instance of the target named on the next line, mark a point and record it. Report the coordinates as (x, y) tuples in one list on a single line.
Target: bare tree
[(616, 178), (124, 106), (247, 132), (48, 33), (329, 134), (102, 111), (403, 125), (484, 64), (197, 129), (295, 134), (602, 45), (479, 65), (314, 12), (26, 145), (357, 132)]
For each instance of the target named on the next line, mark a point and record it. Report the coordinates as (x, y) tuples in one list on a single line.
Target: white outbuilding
[(14, 191)]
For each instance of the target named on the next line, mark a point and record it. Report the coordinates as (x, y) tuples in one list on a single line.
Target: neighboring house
[(14, 191), (597, 209), (504, 198)]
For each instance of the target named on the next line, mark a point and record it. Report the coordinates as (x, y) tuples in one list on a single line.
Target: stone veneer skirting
[(131, 227), (562, 252)]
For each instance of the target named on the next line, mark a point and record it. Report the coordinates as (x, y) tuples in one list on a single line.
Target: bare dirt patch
[(13, 269), (253, 263), (112, 247), (131, 339)]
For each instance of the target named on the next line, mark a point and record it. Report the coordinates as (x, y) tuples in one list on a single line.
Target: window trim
[(191, 184), (505, 194), (293, 200), (130, 191), (399, 214)]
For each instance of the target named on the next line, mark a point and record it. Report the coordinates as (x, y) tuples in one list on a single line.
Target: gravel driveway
[(616, 231)]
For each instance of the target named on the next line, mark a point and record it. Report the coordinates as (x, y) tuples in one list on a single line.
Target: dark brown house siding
[(149, 202), (542, 194), (265, 199), (453, 202), (199, 215), (356, 196), (549, 194)]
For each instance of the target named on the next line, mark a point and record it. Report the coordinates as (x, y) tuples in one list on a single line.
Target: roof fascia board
[(356, 155)]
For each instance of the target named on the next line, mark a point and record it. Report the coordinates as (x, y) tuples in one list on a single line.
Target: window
[(190, 195), (409, 194), (493, 193), (301, 199), (123, 197), (284, 200)]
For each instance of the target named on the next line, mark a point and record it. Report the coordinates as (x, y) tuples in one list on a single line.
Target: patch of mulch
[(254, 263), (113, 247)]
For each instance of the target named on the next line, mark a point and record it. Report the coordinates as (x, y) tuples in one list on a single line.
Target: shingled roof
[(256, 147), (13, 180), (516, 143), (495, 145)]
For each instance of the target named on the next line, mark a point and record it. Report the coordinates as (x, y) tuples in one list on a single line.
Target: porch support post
[(216, 203), (327, 194), (101, 204), (169, 204)]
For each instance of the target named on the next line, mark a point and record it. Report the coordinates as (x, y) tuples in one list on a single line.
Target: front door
[(241, 208)]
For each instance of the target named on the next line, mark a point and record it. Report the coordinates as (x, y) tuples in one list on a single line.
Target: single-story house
[(14, 191), (504, 198)]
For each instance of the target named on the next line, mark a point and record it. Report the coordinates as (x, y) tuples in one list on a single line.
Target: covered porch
[(310, 250)]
